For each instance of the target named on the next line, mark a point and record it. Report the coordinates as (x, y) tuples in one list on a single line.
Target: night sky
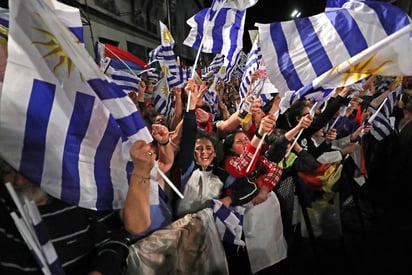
[(268, 11)]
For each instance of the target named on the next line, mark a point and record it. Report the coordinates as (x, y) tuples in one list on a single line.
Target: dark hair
[(295, 110), (228, 142), (217, 145), (202, 133)]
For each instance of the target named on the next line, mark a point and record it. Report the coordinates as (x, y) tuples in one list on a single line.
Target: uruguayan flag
[(62, 124), (218, 30), (383, 122), (337, 47), (229, 223), (126, 81), (162, 98), (252, 64)]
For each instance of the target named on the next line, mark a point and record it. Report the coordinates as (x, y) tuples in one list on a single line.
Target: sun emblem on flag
[(55, 50), (165, 90), (165, 69), (362, 69), (167, 37)]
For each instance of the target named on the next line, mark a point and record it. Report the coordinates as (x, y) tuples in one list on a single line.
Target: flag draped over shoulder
[(62, 124), (219, 29), (337, 47)]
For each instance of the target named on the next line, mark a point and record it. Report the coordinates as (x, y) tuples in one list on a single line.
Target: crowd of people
[(254, 169)]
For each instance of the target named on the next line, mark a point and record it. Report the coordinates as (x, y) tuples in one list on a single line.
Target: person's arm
[(136, 211), (189, 128), (166, 153), (177, 116), (141, 88), (225, 126)]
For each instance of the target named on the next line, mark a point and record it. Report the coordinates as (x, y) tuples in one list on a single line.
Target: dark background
[(269, 11)]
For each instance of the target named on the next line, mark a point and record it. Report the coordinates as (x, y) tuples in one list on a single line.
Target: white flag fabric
[(62, 124), (337, 47)]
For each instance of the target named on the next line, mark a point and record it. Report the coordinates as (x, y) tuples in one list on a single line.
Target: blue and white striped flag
[(229, 223), (252, 64), (43, 238), (337, 47), (162, 98), (383, 124), (125, 80), (168, 60), (213, 67), (63, 125), (219, 29)]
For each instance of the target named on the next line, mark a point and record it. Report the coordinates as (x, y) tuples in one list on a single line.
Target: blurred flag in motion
[(337, 47), (63, 125)]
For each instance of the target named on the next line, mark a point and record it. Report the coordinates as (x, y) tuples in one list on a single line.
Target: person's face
[(239, 143), (150, 109), (149, 87), (161, 120), (318, 134), (305, 111), (204, 152)]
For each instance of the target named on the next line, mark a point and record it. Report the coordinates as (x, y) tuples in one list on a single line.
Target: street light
[(295, 13)]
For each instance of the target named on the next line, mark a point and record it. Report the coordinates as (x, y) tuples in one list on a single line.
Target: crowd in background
[(255, 170)]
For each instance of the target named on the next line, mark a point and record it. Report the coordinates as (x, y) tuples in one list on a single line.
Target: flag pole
[(170, 183), (311, 112)]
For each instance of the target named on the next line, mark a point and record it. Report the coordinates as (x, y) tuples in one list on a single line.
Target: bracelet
[(163, 144), (141, 177), (259, 136)]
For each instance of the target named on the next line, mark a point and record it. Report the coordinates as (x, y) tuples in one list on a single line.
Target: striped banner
[(63, 125)]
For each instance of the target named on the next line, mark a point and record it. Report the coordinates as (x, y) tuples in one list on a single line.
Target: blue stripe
[(285, 63), (200, 19), (79, 123), (219, 23), (234, 34), (41, 233), (106, 90), (132, 79), (102, 166), (4, 22), (352, 37), (38, 115), (78, 32), (335, 3), (131, 124), (398, 17), (317, 55)]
